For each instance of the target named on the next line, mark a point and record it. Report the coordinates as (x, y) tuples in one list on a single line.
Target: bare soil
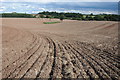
[(70, 49)]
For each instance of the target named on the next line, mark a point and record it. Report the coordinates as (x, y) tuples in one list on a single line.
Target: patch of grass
[(51, 22)]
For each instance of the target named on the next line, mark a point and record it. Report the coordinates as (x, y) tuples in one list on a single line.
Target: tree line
[(79, 16), (17, 15), (61, 16)]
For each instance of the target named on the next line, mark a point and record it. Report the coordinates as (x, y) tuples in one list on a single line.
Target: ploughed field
[(70, 49)]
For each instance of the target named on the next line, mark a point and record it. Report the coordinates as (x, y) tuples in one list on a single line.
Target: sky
[(59, 0), (76, 6)]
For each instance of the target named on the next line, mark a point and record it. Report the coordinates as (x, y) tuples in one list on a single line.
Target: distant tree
[(99, 18), (48, 16), (91, 14), (41, 16), (62, 17), (86, 17)]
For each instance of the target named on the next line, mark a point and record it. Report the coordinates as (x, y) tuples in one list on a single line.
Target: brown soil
[(70, 49)]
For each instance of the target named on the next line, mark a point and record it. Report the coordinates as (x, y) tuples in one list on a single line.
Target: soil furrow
[(25, 58), (31, 46), (102, 74), (109, 64), (87, 69), (33, 64)]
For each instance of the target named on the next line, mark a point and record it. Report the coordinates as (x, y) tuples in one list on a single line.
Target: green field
[(51, 22)]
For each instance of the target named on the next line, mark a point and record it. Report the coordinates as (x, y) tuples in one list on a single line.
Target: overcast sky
[(81, 6), (59, 0)]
